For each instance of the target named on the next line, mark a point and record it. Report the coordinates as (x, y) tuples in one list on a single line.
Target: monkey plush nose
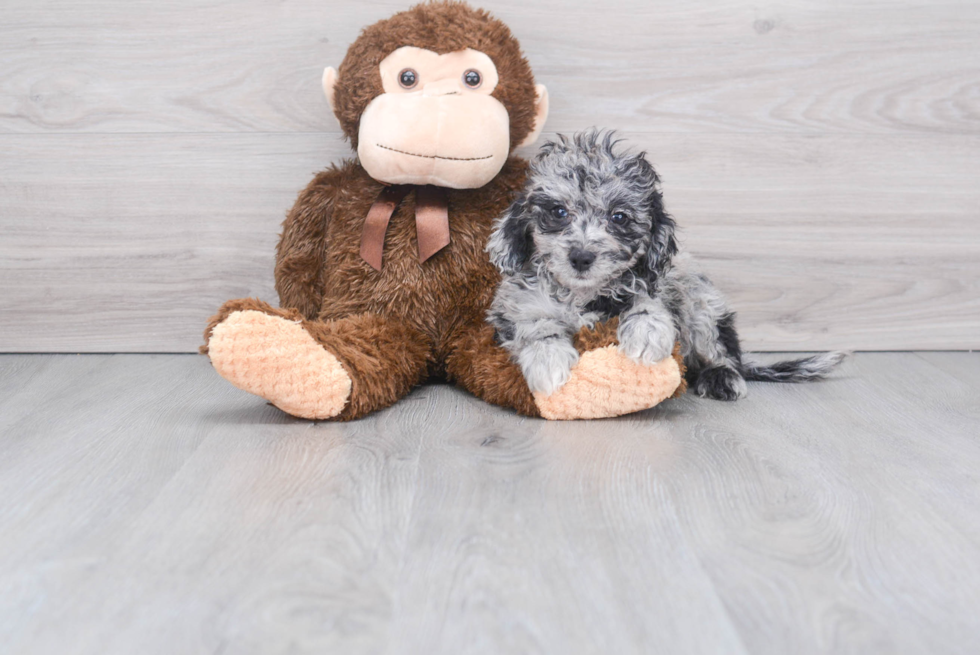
[(581, 259), (437, 88)]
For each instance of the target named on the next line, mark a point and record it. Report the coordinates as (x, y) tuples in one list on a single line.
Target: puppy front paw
[(547, 364), (646, 342)]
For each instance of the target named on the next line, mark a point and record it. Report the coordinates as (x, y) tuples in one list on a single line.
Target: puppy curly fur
[(587, 240)]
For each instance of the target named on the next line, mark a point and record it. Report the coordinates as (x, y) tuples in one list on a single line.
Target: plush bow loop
[(431, 221)]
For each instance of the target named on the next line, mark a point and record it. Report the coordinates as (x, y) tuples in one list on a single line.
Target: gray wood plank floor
[(149, 507)]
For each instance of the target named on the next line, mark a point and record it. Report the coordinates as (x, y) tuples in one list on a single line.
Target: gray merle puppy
[(588, 239)]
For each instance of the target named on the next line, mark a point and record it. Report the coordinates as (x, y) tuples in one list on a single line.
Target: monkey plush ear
[(540, 114), (329, 80), (511, 244)]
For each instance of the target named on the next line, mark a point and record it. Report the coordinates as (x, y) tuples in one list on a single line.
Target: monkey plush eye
[(559, 212), (618, 218), (472, 78), (408, 78)]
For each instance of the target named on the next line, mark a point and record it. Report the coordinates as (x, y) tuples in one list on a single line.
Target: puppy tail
[(815, 367)]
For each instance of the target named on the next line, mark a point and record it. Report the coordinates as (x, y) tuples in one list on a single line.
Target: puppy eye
[(559, 212), (618, 218), (472, 78), (408, 78)]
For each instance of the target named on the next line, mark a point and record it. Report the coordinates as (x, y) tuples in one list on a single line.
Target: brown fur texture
[(438, 306), (478, 365), (394, 328), (384, 358), (452, 288), (602, 335), (391, 329), (682, 387), (441, 27)]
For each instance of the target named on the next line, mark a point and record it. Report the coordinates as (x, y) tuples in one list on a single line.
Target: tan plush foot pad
[(606, 383), (277, 359)]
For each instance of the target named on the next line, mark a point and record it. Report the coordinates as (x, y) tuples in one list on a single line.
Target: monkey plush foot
[(606, 383), (275, 358)]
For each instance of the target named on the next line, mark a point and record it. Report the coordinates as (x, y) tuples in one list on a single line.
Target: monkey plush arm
[(302, 246)]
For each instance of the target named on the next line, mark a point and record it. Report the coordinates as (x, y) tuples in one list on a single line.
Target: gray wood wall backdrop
[(822, 156)]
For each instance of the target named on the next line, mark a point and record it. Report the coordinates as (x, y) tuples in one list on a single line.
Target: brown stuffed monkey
[(382, 275)]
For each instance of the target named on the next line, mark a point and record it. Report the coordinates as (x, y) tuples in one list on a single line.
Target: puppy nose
[(581, 259)]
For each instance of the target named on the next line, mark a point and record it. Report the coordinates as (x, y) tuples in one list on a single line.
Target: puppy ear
[(663, 245), (511, 244), (662, 248)]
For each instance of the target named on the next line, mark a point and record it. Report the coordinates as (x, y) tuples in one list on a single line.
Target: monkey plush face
[(436, 122), (442, 107)]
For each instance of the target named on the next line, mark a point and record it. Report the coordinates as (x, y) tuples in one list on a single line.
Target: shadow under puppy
[(588, 240)]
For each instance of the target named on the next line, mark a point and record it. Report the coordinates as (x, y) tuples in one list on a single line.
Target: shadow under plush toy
[(381, 269)]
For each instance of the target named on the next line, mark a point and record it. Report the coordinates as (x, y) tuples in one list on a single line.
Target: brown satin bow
[(431, 221)]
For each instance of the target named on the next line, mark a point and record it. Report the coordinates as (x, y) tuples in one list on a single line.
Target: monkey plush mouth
[(412, 154)]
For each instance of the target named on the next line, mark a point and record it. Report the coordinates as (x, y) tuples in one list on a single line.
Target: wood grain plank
[(533, 537), (149, 228), (960, 368), (856, 242), (150, 507), (707, 66), (135, 448), (858, 481)]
